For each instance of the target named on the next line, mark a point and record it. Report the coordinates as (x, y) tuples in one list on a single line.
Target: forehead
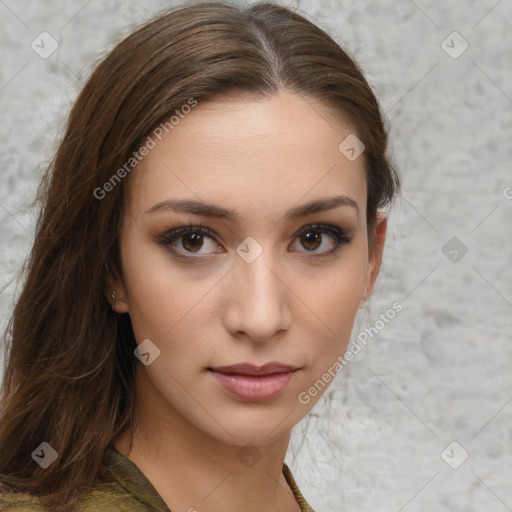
[(259, 156)]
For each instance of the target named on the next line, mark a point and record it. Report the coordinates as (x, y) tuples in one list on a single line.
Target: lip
[(249, 369), (251, 383)]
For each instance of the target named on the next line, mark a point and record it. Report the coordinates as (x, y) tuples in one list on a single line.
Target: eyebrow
[(211, 210)]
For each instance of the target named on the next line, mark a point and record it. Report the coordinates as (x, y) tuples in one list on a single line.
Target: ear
[(375, 257), (115, 292)]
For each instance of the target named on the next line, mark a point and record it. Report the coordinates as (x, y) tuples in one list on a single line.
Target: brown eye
[(188, 240), (311, 240), (192, 242)]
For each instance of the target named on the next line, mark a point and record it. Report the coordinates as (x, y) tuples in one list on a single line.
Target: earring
[(113, 295)]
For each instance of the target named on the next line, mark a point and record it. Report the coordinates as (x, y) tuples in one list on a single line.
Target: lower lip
[(251, 388)]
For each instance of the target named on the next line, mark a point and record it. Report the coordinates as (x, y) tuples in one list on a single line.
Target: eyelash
[(339, 236)]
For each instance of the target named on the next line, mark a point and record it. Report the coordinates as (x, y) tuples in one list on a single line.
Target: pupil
[(194, 237), (193, 241), (311, 238)]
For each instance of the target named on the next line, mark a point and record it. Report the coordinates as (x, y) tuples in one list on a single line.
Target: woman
[(211, 224)]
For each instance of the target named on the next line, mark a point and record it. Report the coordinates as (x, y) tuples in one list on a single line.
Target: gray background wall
[(439, 372)]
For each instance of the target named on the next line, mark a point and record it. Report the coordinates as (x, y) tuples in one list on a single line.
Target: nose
[(258, 304)]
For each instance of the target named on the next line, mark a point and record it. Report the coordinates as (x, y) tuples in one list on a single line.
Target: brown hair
[(70, 361)]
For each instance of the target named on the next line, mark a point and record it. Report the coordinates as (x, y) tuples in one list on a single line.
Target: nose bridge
[(260, 295), (255, 275)]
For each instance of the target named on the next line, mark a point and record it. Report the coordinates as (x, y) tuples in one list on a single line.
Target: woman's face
[(260, 281)]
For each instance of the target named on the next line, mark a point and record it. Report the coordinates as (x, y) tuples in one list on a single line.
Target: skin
[(260, 157)]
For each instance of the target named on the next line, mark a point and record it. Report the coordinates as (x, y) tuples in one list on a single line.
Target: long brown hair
[(70, 362)]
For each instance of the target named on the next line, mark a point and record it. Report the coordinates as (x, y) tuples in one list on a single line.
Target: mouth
[(271, 368), (250, 383)]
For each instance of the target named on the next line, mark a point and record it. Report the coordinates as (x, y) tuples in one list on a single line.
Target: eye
[(191, 239), (312, 237)]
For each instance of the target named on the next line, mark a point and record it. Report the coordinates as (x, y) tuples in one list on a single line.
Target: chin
[(254, 429)]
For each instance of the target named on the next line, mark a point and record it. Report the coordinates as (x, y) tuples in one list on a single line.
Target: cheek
[(164, 297), (338, 299), (158, 294), (169, 305)]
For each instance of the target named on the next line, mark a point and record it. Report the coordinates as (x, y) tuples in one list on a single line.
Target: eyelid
[(165, 240), (340, 235)]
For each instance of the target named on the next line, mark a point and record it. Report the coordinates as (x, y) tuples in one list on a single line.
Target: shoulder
[(111, 497), (103, 497), (303, 504), (20, 502), (122, 489)]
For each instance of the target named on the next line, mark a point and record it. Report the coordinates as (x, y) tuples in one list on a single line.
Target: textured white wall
[(437, 372)]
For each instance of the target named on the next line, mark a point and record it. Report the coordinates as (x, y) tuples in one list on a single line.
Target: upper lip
[(250, 369)]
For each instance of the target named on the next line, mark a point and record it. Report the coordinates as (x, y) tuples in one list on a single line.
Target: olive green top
[(129, 491)]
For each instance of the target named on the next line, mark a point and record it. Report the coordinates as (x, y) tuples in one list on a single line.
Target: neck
[(194, 471)]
